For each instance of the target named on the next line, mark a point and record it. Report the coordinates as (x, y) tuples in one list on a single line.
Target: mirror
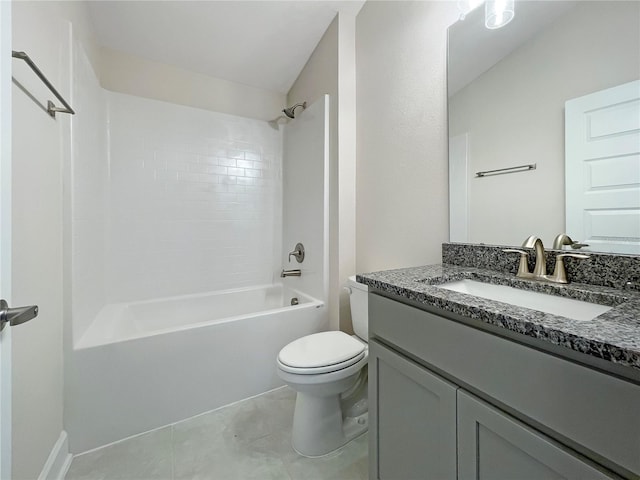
[(507, 90)]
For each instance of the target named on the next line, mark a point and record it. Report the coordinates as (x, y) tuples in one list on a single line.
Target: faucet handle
[(564, 239), (523, 266), (577, 245), (559, 272), (574, 255), (298, 253)]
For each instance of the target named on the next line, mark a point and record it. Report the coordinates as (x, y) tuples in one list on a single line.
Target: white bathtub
[(146, 364)]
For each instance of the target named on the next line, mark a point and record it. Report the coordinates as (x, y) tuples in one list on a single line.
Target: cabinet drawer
[(599, 412)]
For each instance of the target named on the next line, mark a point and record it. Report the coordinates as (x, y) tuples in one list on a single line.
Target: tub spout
[(290, 273)]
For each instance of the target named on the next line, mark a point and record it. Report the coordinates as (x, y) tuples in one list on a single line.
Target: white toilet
[(329, 372)]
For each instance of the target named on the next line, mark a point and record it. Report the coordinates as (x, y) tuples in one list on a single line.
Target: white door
[(5, 235), (602, 156)]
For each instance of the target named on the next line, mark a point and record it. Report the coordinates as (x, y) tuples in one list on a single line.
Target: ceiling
[(263, 44)]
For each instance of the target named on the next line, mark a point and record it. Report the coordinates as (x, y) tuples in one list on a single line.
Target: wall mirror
[(530, 93)]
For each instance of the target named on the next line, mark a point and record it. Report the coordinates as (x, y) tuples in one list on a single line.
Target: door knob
[(16, 316)]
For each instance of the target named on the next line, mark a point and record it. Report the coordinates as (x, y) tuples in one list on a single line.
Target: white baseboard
[(56, 466)]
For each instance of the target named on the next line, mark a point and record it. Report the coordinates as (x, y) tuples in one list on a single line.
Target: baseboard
[(56, 466)]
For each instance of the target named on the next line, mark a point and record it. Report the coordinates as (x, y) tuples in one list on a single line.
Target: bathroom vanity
[(465, 387)]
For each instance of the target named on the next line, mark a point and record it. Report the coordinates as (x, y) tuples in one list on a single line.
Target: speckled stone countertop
[(613, 336)]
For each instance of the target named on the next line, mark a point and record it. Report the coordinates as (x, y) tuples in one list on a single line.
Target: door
[(5, 234), (602, 161), (495, 446), (412, 419)]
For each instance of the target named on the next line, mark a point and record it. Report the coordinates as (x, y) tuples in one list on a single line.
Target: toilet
[(328, 370)]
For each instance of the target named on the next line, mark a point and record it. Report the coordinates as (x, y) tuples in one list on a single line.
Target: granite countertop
[(613, 336)]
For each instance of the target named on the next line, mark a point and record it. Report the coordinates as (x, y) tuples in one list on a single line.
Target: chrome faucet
[(290, 273), (540, 269), (564, 239)]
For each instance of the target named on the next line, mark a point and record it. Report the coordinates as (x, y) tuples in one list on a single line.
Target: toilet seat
[(321, 353), (323, 369)]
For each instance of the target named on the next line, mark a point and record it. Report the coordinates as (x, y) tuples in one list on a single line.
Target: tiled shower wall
[(194, 200)]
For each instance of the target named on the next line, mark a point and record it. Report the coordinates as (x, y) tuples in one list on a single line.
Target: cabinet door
[(412, 419), (495, 446)]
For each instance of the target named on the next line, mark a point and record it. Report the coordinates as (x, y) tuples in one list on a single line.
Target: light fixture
[(465, 6), (497, 13)]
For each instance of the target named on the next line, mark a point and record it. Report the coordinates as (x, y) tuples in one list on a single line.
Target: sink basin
[(562, 306)]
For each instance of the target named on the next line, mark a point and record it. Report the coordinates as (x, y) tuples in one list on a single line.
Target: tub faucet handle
[(298, 253)]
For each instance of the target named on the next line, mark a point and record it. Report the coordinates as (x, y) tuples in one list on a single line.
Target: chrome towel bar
[(502, 171), (51, 108)]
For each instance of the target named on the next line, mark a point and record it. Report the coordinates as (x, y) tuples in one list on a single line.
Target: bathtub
[(143, 365)]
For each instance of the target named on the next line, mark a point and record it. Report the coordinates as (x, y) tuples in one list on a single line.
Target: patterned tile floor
[(248, 440)]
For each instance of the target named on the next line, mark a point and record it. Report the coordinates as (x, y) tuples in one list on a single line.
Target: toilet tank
[(358, 299)]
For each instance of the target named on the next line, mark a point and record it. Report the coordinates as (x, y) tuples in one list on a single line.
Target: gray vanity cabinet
[(447, 401), (494, 446), (415, 415)]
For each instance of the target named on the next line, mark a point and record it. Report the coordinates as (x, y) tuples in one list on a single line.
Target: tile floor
[(244, 441)]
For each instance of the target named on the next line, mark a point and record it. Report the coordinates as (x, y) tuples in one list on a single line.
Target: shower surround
[(170, 205), (195, 200)]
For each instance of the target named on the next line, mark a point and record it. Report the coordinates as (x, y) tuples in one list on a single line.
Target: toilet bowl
[(328, 370)]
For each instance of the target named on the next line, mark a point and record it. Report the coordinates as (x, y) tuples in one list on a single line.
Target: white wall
[(305, 198), (194, 200), (126, 73), (401, 133), (331, 70), (346, 248), (40, 145), (319, 77), (521, 101), (86, 200)]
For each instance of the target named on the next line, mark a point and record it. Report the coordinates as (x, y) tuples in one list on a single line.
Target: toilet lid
[(320, 349)]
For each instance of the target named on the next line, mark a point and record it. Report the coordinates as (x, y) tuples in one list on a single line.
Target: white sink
[(565, 307)]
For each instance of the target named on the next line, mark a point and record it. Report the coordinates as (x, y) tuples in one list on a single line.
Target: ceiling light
[(497, 13), (465, 6)]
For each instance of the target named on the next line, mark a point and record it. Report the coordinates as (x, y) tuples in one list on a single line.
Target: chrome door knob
[(16, 316)]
